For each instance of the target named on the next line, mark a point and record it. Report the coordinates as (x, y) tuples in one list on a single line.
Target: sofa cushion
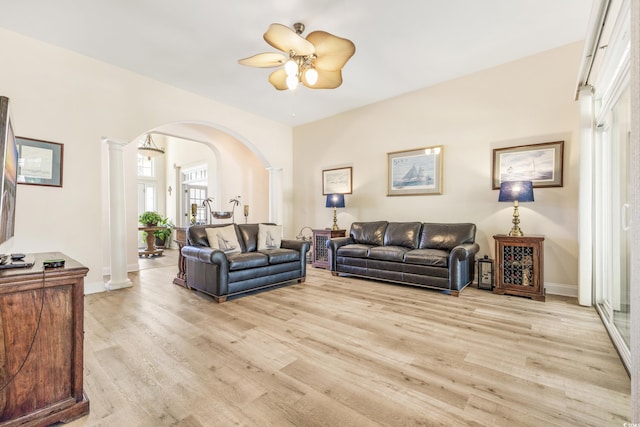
[(224, 239), (280, 255), (446, 236), (368, 233), (269, 236), (402, 234), (249, 234), (241, 261), (354, 251), (388, 253), (432, 257)]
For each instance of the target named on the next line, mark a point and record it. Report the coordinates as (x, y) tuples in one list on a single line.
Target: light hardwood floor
[(346, 352)]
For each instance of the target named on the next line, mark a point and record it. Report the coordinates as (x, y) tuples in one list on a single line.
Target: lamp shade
[(516, 191), (335, 201)]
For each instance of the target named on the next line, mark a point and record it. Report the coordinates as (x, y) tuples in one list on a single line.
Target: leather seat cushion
[(280, 255), (388, 253), (432, 257), (240, 261), (354, 251)]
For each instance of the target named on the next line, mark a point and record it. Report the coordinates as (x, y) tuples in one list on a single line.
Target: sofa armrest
[(303, 247), (461, 265), (298, 245), (206, 255), (207, 270), (333, 245)]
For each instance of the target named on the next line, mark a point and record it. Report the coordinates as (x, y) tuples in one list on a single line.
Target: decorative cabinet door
[(520, 263), (320, 251)]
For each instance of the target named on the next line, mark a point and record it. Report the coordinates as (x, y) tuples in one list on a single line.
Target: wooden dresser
[(41, 343)]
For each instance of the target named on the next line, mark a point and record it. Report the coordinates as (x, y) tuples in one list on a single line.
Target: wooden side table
[(151, 249), (320, 251), (520, 266), (181, 241)]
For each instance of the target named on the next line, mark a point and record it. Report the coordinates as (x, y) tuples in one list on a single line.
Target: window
[(145, 167)]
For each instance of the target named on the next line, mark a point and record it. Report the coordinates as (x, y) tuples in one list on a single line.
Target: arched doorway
[(232, 153)]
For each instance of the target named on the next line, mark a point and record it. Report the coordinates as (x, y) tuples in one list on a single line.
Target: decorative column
[(117, 218)]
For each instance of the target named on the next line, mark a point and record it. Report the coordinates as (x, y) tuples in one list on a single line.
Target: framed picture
[(39, 162), (337, 181), (539, 163), (415, 172)]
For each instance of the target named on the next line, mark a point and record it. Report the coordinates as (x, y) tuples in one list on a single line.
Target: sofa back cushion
[(249, 234), (404, 234), (446, 236), (368, 233)]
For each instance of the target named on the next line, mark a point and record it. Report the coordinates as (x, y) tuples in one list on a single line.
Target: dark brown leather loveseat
[(224, 275), (433, 255)]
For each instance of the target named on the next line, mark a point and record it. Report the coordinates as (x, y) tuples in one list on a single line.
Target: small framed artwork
[(39, 162), (539, 163), (337, 181), (415, 172)]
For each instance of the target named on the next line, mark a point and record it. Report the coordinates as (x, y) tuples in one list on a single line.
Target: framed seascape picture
[(39, 162), (337, 181), (539, 163), (415, 172)]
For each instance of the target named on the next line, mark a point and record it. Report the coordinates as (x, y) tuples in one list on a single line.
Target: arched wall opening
[(237, 166)]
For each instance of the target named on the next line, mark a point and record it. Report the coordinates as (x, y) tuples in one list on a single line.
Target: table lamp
[(516, 191), (335, 201)]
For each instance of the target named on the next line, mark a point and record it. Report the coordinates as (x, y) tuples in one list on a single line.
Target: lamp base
[(335, 221), (515, 230)]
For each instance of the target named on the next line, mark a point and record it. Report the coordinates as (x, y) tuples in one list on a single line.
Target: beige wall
[(523, 102), (60, 96)]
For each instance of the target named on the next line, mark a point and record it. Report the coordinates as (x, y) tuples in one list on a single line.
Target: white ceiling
[(401, 45)]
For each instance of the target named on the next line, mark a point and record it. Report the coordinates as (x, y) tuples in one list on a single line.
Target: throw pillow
[(269, 236), (223, 238)]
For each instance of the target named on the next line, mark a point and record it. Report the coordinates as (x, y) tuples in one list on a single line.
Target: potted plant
[(163, 236), (150, 218)]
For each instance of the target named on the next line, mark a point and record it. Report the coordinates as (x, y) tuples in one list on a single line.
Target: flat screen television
[(8, 172)]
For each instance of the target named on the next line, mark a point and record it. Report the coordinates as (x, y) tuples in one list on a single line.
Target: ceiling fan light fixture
[(311, 75), (292, 82), (315, 61), (291, 67)]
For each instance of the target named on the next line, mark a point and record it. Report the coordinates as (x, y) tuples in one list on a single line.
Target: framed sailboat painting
[(415, 172), (539, 163)]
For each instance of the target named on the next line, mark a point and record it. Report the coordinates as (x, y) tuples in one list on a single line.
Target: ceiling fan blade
[(279, 79), (327, 79), (264, 60), (332, 51), (285, 39)]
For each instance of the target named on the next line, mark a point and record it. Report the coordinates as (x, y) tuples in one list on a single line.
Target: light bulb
[(291, 68), (292, 82), (311, 75)]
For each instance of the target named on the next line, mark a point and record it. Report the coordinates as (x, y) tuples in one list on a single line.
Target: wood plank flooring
[(346, 352)]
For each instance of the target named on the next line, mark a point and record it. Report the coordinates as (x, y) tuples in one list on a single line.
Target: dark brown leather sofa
[(433, 255), (226, 275)]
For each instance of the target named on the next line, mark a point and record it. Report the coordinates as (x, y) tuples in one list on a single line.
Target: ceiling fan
[(316, 61)]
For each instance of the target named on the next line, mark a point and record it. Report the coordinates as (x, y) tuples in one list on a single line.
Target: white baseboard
[(561, 289), (94, 288), (106, 271)]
